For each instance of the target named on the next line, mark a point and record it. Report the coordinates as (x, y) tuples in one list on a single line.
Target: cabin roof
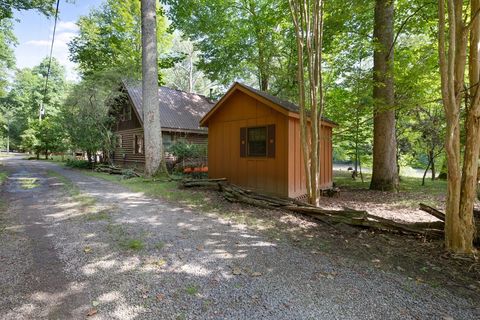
[(179, 110), (285, 106)]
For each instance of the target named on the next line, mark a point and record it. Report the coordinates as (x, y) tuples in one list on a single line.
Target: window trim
[(135, 144), (119, 142), (270, 142)]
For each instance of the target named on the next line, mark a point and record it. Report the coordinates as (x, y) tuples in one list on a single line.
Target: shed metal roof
[(179, 110)]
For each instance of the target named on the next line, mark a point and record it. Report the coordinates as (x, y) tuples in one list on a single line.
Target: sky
[(34, 34)]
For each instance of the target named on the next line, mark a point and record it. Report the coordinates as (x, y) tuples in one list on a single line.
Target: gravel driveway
[(115, 254)]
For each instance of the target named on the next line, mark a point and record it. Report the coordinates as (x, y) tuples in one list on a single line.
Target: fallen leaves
[(236, 271), (92, 312), (160, 296), (87, 249)]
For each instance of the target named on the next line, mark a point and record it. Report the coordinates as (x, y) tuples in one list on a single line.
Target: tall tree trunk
[(443, 171), (433, 164), (308, 20), (472, 137), (461, 186), (154, 155), (384, 172), (425, 172)]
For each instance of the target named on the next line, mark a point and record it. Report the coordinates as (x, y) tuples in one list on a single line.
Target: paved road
[(62, 257)]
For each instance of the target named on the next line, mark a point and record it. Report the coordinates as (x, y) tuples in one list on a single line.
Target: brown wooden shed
[(254, 142)]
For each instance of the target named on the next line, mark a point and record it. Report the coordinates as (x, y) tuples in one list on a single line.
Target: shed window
[(257, 142), (138, 144)]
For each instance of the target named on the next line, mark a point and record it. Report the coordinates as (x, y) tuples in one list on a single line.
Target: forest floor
[(77, 243)]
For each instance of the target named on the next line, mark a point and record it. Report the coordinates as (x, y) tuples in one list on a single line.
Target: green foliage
[(182, 150), (132, 244), (44, 136), (8, 6), (110, 39), (27, 94), (129, 174), (7, 58), (184, 74), (239, 39), (85, 114), (79, 164)]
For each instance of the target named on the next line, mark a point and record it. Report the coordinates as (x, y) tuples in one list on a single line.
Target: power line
[(42, 110)]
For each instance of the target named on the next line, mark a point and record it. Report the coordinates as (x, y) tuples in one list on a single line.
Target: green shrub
[(182, 149), (129, 173), (79, 164)]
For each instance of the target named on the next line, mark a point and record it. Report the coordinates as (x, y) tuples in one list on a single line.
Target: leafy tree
[(308, 21), (185, 75), (27, 93), (45, 136), (430, 126), (110, 39), (8, 6), (85, 114), (238, 38), (7, 57)]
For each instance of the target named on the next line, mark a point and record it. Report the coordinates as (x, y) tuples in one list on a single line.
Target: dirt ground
[(420, 258), (76, 247)]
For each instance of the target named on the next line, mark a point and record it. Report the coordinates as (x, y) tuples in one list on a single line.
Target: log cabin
[(254, 142), (180, 113)]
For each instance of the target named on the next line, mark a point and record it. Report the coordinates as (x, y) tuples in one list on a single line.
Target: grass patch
[(191, 290), (98, 216), (164, 189), (72, 189), (119, 235), (132, 244), (407, 184), (3, 177), (28, 183)]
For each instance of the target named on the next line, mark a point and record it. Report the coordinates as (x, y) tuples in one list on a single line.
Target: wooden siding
[(127, 124), (263, 174), (125, 153), (296, 169), (125, 156)]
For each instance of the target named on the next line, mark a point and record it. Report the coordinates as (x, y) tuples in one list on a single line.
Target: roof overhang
[(239, 87)]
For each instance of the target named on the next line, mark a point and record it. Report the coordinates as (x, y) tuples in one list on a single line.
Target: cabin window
[(257, 141), (138, 144), (119, 141), (126, 113), (167, 140), (129, 113)]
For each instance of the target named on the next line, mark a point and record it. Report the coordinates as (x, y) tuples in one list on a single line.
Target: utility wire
[(42, 110)]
